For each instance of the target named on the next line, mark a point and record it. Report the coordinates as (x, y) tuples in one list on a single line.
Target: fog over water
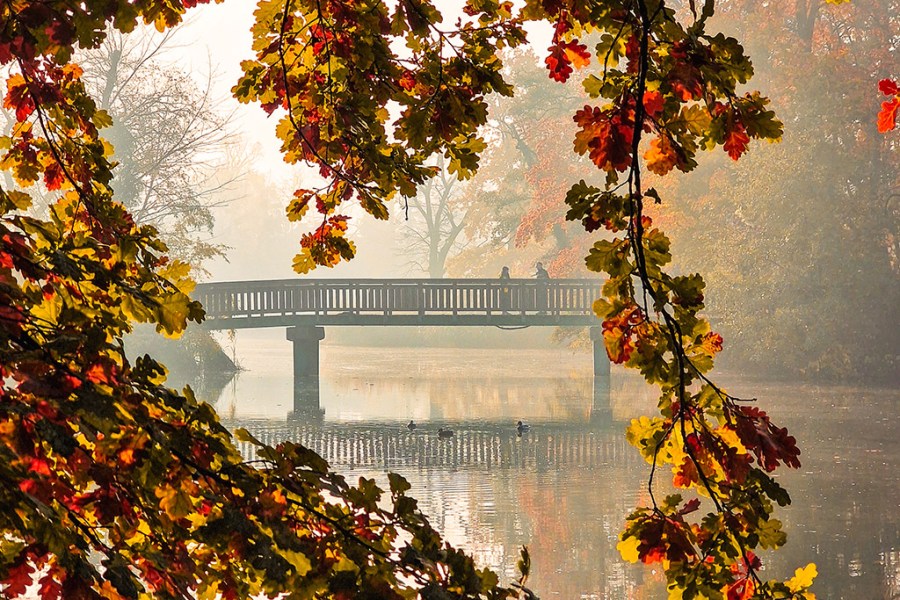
[(565, 487)]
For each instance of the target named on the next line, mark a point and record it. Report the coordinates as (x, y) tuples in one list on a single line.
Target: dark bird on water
[(412, 425), (522, 427), (445, 433)]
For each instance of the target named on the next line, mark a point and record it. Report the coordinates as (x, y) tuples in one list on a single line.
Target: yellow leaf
[(345, 564), (48, 310), (174, 502), (303, 262), (628, 548), (172, 313), (803, 578), (298, 560), (644, 434)]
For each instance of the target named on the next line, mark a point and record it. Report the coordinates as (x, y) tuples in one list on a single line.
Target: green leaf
[(398, 484), (609, 257)]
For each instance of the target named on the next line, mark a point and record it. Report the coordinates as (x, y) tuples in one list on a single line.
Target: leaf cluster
[(369, 93), (111, 484)]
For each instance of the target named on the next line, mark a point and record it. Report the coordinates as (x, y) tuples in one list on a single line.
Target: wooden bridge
[(329, 302), (306, 306)]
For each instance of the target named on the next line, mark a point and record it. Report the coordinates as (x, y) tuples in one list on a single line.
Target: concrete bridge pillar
[(601, 359), (306, 369), (601, 406)]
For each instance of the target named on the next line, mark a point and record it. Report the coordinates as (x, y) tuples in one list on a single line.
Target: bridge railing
[(397, 296)]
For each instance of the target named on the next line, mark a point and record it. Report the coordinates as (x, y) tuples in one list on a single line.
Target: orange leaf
[(653, 103), (887, 116), (661, 157), (578, 55), (712, 342), (96, 374)]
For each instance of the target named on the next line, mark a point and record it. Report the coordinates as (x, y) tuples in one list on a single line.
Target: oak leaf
[(661, 156), (736, 141)]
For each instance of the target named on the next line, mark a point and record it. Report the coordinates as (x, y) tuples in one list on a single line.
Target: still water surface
[(565, 487)]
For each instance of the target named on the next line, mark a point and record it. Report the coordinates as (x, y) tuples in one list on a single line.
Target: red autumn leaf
[(18, 98), (101, 373), (736, 141), (39, 466), (18, 577), (577, 54), (53, 176), (690, 506), (618, 333), (70, 383), (888, 87), (558, 63), (712, 342), (742, 589), (768, 442), (60, 31), (665, 538), (633, 53), (687, 474), (408, 80), (653, 103), (606, 137), (50, 587), (684, 79)]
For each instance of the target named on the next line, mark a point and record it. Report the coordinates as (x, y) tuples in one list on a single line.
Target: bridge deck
[(293, 302)]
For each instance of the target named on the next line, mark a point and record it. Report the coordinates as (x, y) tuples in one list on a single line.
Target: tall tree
[(524, 173), (436, 220), (815, 220), (170, 139)]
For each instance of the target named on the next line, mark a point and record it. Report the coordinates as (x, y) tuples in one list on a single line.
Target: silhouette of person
[(505, 292), (541, 291)]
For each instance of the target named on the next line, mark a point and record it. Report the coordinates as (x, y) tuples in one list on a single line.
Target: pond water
[(565, 487)]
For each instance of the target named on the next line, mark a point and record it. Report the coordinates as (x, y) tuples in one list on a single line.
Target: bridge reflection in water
[(562, 489), (393, 447)]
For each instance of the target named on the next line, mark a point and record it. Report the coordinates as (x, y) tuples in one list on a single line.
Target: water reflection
[(565, 487)]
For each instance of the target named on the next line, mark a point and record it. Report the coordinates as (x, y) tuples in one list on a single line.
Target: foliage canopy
[(115, 486)]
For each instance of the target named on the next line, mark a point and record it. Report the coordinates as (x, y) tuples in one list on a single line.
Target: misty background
[(798, 241)]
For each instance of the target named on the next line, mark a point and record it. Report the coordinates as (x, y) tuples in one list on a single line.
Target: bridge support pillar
[(306, 369), (601, 408)]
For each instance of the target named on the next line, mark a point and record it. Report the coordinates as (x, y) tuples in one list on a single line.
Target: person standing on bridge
[(505, 292), (541, 291)]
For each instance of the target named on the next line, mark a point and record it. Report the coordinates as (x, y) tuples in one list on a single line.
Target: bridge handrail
[(391, 296)]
